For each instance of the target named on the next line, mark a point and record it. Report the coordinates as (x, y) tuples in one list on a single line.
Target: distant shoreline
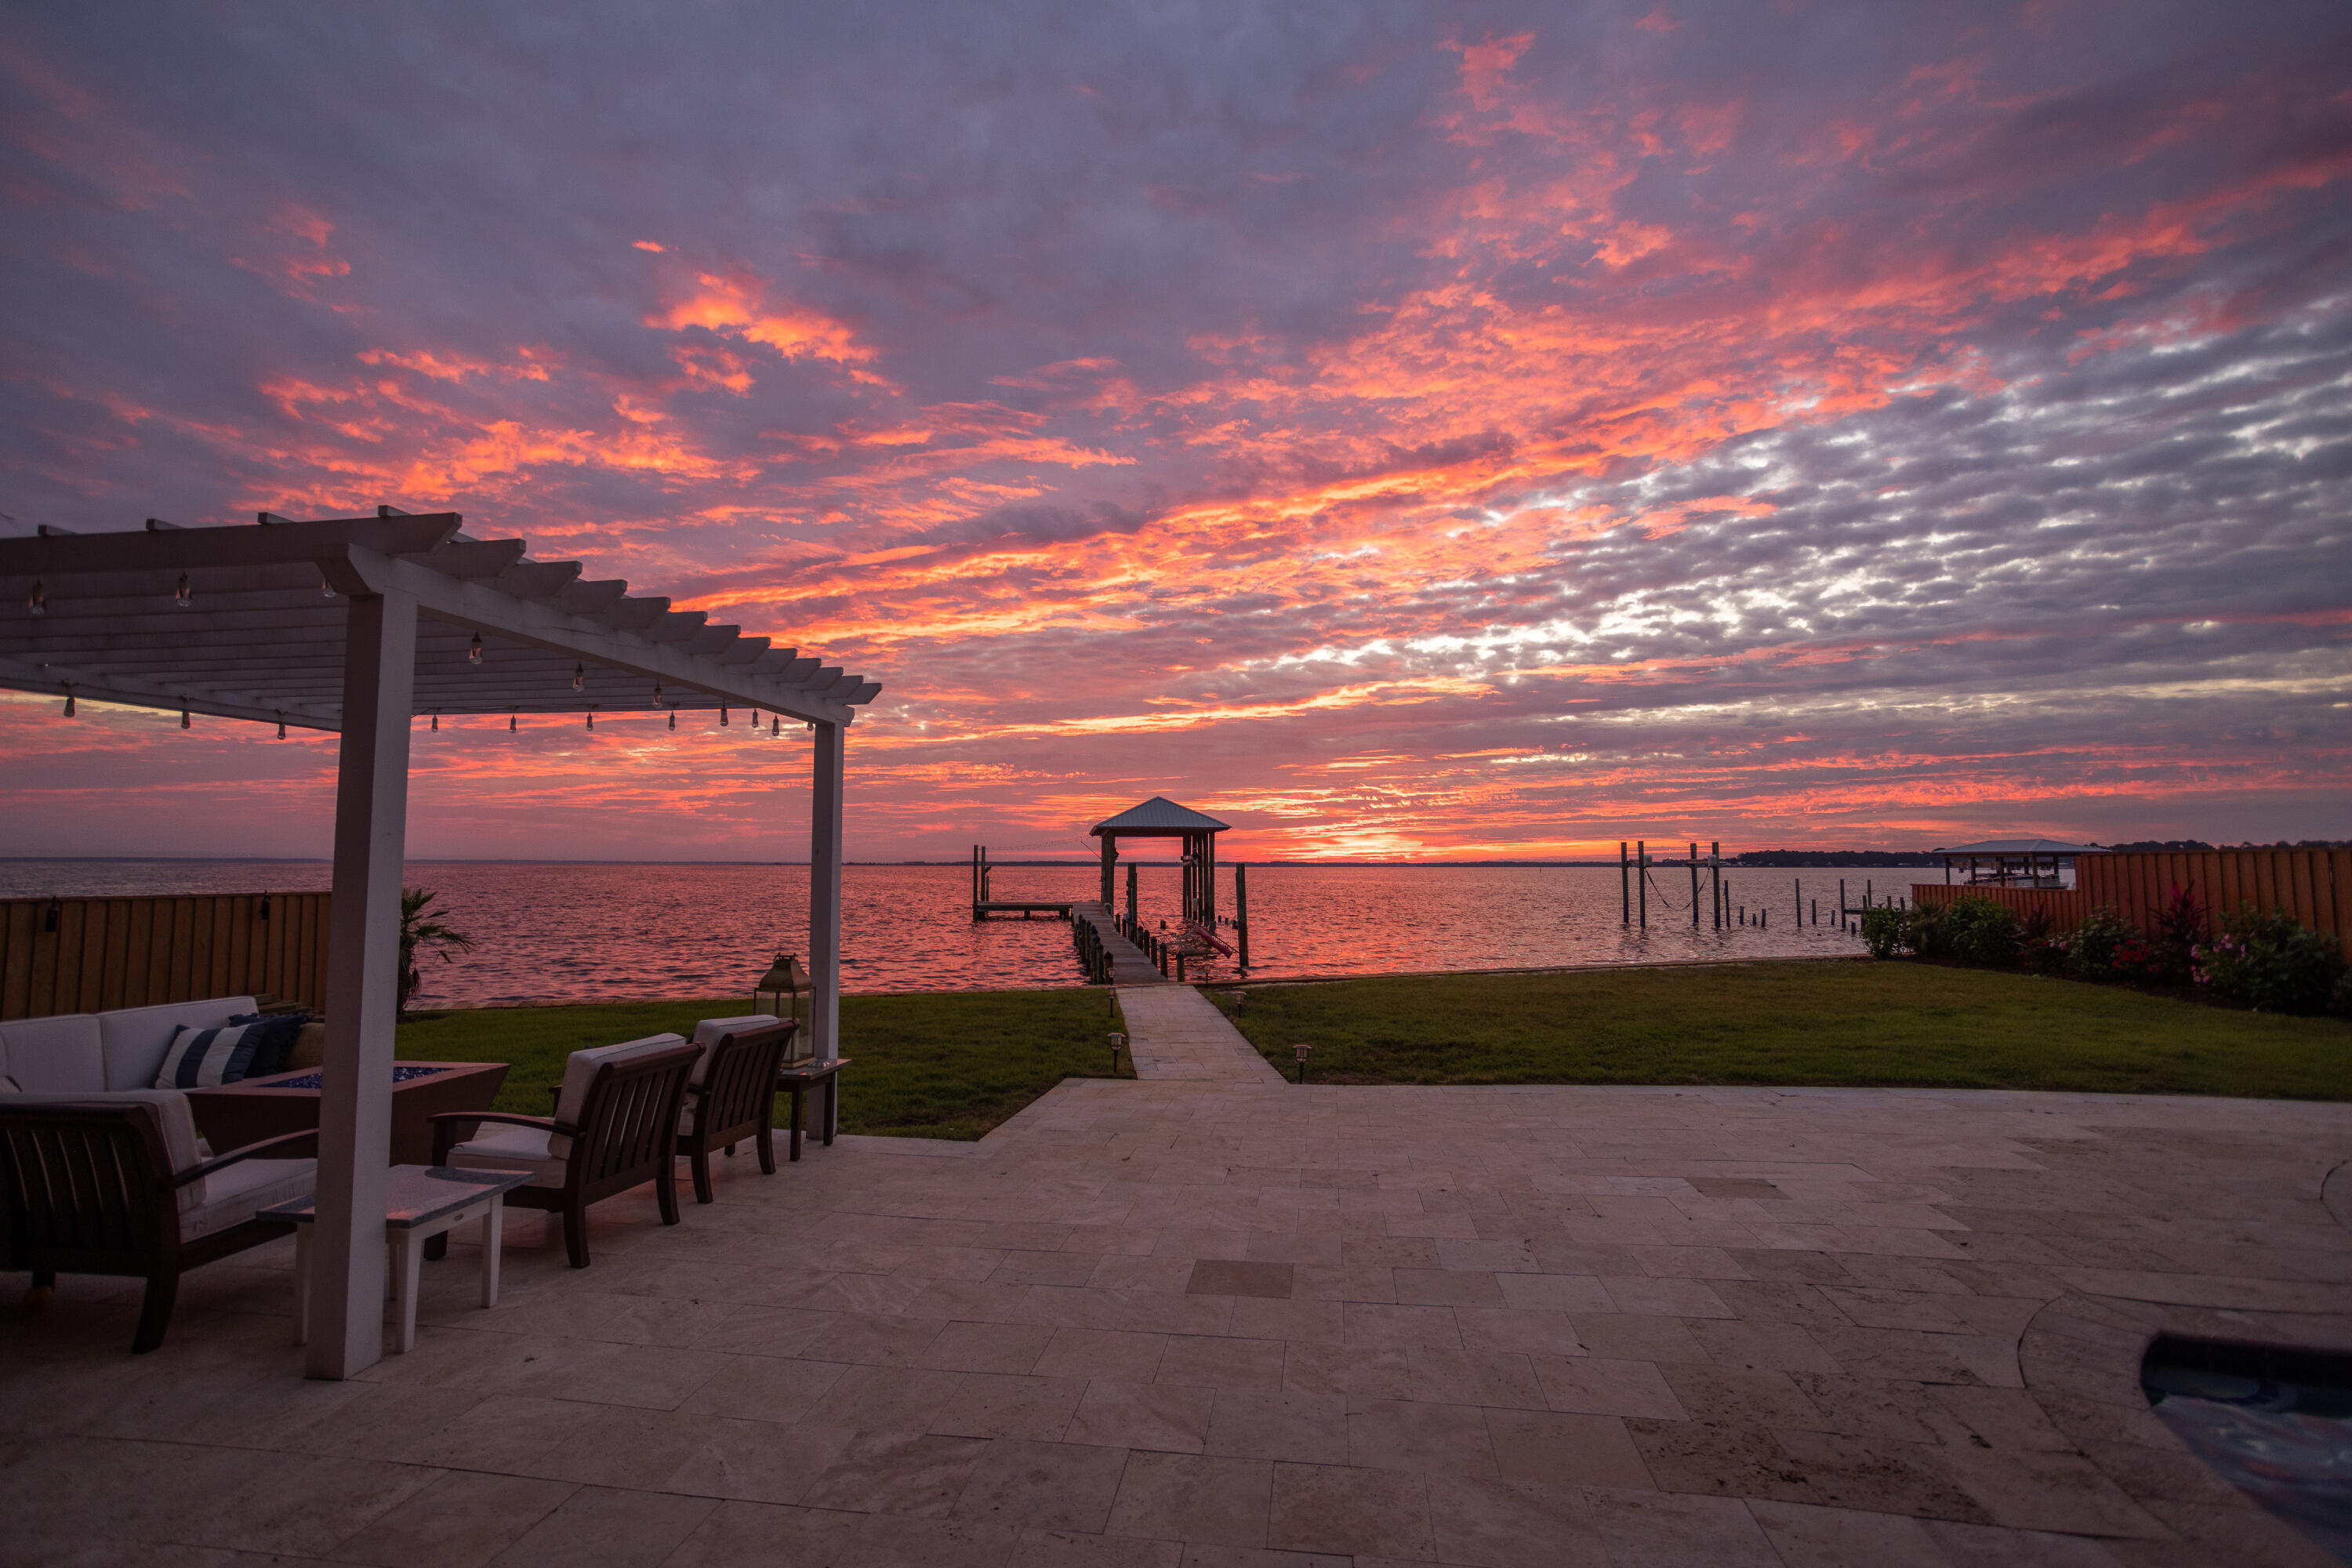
[(1925, 863)]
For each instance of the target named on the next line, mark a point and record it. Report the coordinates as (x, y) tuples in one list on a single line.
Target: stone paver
[(1213, 1318)]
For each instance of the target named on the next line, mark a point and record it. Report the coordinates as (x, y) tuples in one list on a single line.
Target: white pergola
[(359, 625)]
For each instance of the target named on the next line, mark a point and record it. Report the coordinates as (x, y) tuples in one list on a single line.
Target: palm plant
[(419, 930)]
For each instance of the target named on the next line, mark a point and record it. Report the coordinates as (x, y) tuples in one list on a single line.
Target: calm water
[(554, 932)]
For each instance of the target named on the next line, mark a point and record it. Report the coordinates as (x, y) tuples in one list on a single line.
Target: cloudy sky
[(1400, 429)]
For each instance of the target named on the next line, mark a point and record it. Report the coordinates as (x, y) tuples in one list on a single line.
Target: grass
[(1898, 1024), (938, 1065)]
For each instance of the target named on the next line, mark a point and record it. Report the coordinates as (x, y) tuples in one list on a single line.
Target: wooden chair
[(115, 1186), (735, 1099), (614, 1128)]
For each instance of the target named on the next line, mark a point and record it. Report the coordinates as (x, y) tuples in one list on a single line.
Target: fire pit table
[(246, 1112)]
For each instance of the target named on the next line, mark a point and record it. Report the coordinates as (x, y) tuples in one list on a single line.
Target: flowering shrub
[(2270, 962), (2039, 948), (2094, 944)]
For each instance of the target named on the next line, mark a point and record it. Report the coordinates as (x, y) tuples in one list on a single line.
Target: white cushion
[(57, 1055), (510, 1148), (135, 1039), (581, 1070), (171, 1110), (236, 1195), (710, 1031)]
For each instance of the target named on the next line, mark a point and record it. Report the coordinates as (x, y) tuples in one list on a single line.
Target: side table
[(420, 1202), (797, 1078)]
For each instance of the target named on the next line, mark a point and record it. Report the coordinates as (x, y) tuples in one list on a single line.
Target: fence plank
[(127, 953), (2313, 885)]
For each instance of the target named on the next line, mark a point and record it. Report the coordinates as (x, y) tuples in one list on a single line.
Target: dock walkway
[(1127, 964)]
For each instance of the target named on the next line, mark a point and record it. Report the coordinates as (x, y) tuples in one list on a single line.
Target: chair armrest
[(198, 1172), (546, 1123)]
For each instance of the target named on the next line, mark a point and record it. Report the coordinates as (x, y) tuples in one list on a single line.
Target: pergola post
[(1110, 856), (346, 1259), (825, 894)]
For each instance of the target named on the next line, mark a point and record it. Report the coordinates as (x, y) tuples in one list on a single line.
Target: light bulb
[(281, 725), (473, 650), (722, 717), (69, 703), (673, 718), (39, 603), (183, 596), (510, 724), (592, 721), (579, 675), (436, 720), (326, 589), (183, 713), (775, 726)]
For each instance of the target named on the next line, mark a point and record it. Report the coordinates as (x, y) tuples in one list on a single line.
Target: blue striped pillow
[(206, 1058)]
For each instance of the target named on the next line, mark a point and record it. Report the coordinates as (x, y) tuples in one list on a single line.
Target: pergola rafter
[(359, 625), (259, 631)]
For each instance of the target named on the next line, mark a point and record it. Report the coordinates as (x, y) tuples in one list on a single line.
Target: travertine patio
[(1213, 1318)]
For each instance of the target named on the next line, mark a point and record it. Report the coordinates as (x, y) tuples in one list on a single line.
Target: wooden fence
[(91, 955), (2313, 885)]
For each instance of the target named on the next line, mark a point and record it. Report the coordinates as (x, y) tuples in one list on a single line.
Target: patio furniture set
[(104, 1172)]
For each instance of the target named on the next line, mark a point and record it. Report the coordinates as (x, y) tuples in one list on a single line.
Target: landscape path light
[(1300, 1050), (1117, 1042)]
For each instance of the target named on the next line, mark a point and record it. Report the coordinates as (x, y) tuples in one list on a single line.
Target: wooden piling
[(1642, 877), (1694, 868), (1241, 912), (1624, 888), (1714, 872)]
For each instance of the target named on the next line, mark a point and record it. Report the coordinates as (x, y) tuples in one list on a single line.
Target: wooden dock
[(984, 907), (1127, 964)]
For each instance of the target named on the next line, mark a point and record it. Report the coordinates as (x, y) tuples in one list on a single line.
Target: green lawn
[(1891, 1024), (942, 1065)]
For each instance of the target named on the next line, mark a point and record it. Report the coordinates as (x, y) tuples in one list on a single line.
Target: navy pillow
[(273, 1038), (206, 1058)]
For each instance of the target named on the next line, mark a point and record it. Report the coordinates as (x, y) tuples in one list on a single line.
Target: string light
[(673, 718), (183, 596), (473, 650), (183, 713), (579, 675), (326, 589), (592, 721), (722, 717), (510, 721), (69, 700), (436, 720), (281, 723), (39, 603), (775, 726)]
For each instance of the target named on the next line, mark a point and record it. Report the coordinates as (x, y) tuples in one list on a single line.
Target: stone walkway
[(1176, 1034), (1209, 1320)]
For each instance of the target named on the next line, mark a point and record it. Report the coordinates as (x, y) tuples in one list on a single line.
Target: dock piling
[(1241, 912), (1624, 888), (1694, 869)]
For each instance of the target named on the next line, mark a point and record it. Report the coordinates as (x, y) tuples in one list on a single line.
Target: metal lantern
[(1300, 1050), (782, 986), (1116, 1041)]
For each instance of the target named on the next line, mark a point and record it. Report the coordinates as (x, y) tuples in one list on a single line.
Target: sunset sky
[(1402, 430)]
